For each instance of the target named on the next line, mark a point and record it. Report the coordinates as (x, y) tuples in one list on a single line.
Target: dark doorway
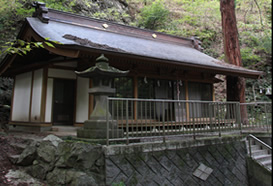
[(63, 101)]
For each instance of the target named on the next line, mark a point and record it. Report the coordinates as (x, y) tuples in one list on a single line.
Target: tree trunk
[(235, 85)]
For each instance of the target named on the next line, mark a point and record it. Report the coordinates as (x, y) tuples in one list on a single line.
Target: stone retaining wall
[(174, 163), (220, 161)]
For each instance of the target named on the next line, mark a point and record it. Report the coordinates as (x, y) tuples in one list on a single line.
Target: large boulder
[(79, 155), (46, 152), (28, 155), (70, 177), (53, 139)]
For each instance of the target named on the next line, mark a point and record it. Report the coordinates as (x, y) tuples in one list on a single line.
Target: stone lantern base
[(97, 129)]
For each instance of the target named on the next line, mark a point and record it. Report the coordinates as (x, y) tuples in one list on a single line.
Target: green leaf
[(49, 44)]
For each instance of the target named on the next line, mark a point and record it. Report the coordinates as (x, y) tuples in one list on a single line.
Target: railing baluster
[(127, 125), (265, 108), (137, 105), (163, 120), (145, 109), (150, 125), (218, 115), (173, 123), (155, 119), (107, 122), (141, 119), (210, 115), (193, 118)]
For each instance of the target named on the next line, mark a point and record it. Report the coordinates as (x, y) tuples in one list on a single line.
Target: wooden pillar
[(31, 93), (135, 84), (213, 93), (187, 98), (43, 97)]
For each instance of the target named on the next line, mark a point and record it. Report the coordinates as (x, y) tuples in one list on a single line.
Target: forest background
[(184, 18)]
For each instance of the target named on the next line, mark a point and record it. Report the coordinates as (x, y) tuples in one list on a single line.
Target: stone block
[(99, 133)]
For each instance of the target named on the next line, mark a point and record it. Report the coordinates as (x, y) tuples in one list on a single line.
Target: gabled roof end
[(40, 11)]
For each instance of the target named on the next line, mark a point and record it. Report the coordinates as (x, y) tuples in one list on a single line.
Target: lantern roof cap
[(102, 68)]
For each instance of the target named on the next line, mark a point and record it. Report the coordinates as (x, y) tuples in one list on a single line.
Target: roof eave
[(224, 71)]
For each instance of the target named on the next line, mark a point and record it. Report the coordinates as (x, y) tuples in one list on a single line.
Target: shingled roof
[(80, 32)]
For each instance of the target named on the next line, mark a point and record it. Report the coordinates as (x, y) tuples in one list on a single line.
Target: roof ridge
[(46, 14)]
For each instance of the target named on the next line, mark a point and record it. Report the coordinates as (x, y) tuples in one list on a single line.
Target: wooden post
[(135, 96), (213, 93), (43, 97), (187, 98)]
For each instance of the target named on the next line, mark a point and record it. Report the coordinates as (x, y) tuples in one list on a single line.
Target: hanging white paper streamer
[(145, 80)]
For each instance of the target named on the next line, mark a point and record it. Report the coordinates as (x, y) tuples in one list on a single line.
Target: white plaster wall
[(82, 101), (59, 73), (49, 95), (36, 95), (21, 97)]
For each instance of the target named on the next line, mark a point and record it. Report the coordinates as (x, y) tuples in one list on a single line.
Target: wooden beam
[(187, 98), (30, 124), (135, 84), (31, 92), (63, 52)]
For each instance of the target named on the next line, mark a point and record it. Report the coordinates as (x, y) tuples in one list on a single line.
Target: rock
[(80, 156), (53, 139), (84, 180), (57, 177), (14, 158), (39, 169), (46, 152), (70, 177), (28, 155), (19, 177)]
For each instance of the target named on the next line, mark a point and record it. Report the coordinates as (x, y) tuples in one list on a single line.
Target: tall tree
[(235, 85)]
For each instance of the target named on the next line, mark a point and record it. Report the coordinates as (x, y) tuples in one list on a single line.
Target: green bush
[(153, 16)]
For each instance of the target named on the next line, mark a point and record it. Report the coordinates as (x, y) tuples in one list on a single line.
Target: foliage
[(21, 47), (153, 16)]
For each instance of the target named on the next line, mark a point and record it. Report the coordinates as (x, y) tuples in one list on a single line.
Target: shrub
[(153, 16)]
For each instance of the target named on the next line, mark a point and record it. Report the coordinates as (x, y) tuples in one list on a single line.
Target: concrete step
[(256, 147), (266, 162), (263, 157), (256, 153)]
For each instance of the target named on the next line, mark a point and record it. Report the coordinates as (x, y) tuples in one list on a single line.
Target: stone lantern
[(102, 74)]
